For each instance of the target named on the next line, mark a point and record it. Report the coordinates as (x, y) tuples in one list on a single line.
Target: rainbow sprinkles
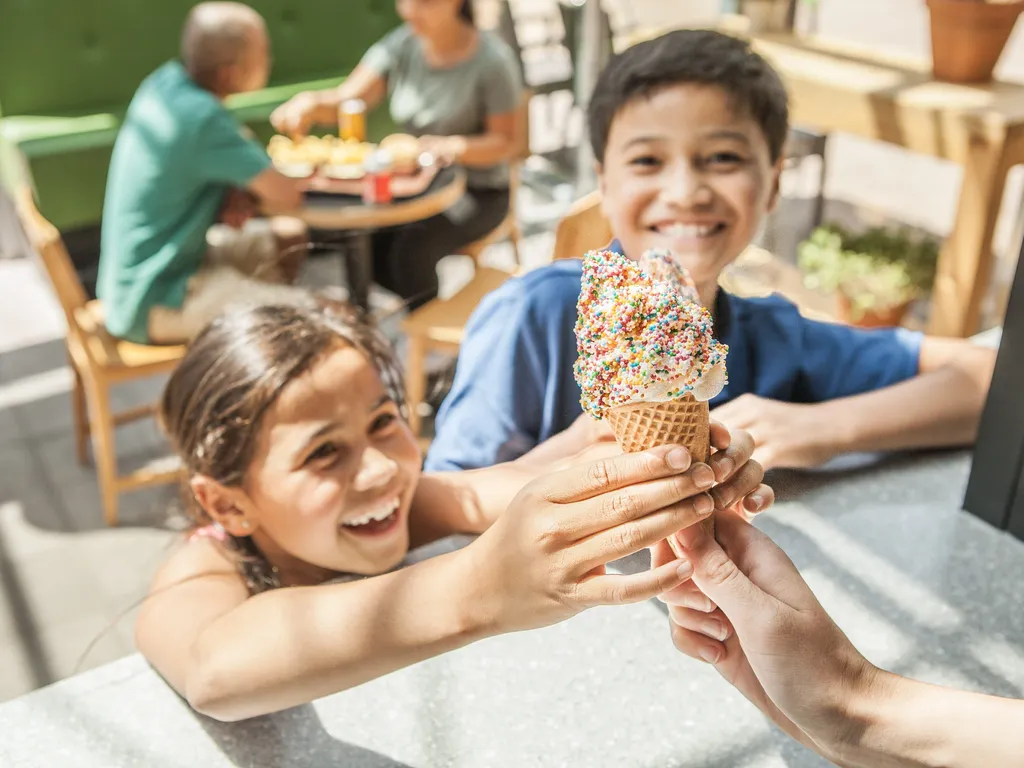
[(642, 334)]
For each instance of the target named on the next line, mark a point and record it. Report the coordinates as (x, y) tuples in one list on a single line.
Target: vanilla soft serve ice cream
[(643, 335)]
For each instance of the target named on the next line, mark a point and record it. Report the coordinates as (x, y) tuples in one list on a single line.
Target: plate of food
[(347, 159), (302, 158)]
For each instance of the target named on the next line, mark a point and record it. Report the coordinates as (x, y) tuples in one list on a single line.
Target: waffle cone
[(686, 422)]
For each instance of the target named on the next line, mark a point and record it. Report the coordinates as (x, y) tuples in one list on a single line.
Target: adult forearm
[(291, 646), (937, 409), (480, 151), (908, 723)]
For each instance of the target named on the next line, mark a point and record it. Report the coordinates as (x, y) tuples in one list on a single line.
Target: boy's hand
[(785, 434), (238, 207)]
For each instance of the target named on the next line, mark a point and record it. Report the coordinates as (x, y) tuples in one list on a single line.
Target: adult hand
[(781, 649), (739, 487), (445, 149), (785, 434), (296, 116), (544, 559)]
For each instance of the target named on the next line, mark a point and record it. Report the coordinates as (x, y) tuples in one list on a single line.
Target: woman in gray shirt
[(455, 87)]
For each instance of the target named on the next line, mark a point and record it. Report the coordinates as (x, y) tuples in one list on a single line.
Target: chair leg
[(513, 240), (415, 380), (103, 448), (819, 205), (80, 414)]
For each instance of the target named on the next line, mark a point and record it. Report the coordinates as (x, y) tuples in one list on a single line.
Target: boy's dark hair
[(691, 56)]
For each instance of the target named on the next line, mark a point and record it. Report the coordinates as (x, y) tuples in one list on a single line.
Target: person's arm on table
[(304, 110), (470, 501), (874, 391), (276, 192), (495, 145), (233, 656), (368, 81), (939, 407), (501, 92), (225, 156), (788, 657)]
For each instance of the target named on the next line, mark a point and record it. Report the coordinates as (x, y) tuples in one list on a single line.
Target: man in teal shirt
[(179, 161)]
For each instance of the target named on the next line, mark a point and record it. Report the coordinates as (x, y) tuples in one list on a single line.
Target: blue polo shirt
[(514, 384)]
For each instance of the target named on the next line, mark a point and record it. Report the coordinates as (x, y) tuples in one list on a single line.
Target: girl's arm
[(469, 501), (233, 656)]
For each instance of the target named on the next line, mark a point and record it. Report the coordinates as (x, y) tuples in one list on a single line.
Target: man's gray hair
[(216, 35)]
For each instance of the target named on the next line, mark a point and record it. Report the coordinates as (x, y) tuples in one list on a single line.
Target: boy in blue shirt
[(688, 130)]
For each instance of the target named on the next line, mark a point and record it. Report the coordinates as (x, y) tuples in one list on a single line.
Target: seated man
[(180, 161), (689, 131)]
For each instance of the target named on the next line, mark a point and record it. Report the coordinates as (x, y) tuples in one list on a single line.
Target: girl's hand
[(544, 559), (238, 207)]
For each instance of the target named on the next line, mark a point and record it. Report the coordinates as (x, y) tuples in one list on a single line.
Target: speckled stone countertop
[(920, 587)]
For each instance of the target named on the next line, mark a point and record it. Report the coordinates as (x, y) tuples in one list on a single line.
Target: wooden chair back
[(584, 228), (47, 242), (522, 128)]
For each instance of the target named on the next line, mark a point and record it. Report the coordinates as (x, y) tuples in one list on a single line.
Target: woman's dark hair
[(466, 12), (235, 370)]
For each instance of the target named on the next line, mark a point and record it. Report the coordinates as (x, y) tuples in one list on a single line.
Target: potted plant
[(968, 37), (766, 15), (875, 275)]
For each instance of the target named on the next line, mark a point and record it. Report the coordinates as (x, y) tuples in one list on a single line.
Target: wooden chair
[(438, 325), (583, 228), (98, 361)]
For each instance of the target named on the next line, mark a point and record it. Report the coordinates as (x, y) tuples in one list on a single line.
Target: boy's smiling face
[(685, 171)]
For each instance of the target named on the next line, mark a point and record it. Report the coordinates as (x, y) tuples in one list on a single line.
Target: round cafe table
[(349, 215)]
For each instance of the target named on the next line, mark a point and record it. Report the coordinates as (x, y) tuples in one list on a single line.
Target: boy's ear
[(224, 505), (776, 192)]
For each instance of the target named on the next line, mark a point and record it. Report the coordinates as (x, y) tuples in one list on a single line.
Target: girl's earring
[(245, 524)]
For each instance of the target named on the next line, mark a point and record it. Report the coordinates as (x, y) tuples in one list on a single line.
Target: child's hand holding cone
[(648, 361)]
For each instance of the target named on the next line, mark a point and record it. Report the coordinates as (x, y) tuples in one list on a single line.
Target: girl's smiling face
[(333, 474)]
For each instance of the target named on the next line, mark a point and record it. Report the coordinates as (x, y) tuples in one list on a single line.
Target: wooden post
[(965, 262)]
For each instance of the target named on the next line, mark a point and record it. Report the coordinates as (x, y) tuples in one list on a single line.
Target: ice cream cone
[(685, 421)]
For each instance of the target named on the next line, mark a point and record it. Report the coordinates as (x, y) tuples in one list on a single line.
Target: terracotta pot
[(968, 37), (766, 15), (883, 317)]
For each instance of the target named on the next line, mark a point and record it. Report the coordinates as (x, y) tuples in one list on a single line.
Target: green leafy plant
[(875, 270)]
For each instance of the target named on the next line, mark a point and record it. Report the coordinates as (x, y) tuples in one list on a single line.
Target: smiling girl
[(305, 483)]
